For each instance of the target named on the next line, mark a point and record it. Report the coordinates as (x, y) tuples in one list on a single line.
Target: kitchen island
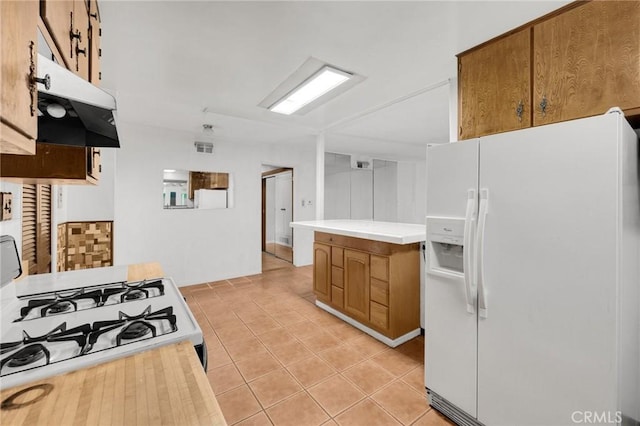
[(367, 273)]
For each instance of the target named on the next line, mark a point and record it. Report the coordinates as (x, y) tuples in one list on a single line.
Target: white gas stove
[(60, 322)]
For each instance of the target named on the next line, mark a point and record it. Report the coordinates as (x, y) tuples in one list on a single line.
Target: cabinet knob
[(46, 81), (543, 105), (520, 110), (76, 34)]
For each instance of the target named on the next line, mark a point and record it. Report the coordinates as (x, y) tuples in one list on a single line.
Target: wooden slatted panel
[(36, 227), (44, 223), (29, 225)]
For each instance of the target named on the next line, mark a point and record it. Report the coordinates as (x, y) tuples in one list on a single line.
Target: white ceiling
[(168, 61)]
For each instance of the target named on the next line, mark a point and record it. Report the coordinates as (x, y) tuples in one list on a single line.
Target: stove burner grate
[(33, 349), (28, 355), (132, 327), (59, 303)]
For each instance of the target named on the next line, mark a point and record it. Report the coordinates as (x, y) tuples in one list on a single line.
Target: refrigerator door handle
[(482, 221), (468, 249)]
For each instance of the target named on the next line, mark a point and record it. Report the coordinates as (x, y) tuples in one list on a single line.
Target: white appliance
[(211, 199), (60, 322), (533, 276)]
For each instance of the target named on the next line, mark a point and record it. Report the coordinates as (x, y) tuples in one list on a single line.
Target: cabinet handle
[(520, 110), (94, 15), (46, 80), (33, 88), (81, 51), (77, 35), (543, 105)]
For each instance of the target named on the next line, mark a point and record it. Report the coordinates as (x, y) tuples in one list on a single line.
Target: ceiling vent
[(361, 163), (205, 147)]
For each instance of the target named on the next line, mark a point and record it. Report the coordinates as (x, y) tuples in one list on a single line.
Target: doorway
[(277, 213)]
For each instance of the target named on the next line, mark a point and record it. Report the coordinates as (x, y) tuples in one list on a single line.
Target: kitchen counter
[(367, 273), (389, 232), (162, 386)]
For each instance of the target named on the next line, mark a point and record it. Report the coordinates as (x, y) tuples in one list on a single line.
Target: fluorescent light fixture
[(322, 82)]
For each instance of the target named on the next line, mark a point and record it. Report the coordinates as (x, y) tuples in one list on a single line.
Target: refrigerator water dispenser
[(445, 246)]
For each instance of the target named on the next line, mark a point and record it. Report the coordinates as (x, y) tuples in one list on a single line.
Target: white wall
[(283, 201), (196, 246), (337, 195), (412, 191), (361, 194), (270, 210), (385, 190)]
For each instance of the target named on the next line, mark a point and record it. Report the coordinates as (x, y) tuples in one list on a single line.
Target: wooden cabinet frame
[(574, 62), (375, 283)]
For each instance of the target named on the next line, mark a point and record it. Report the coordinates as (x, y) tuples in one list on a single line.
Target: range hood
[(72, 111)]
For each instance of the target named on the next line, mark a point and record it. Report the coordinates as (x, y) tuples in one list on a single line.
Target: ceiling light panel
[(321, 83)]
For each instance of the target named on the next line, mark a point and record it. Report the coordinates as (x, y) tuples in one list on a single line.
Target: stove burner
[(59, 303), (60, 307), (27, 356), (134, 295), (130, 327), (135, 331), (31, 349)]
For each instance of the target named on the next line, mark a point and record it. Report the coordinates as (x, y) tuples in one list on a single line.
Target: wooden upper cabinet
[(53, 165), (18, 53), (68, 25), (587, 60), (80, 50), (207, 180), (495, 86), (95, 52), (57, 16)]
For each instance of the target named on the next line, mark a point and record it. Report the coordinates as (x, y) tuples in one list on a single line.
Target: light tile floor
[(275, 358)]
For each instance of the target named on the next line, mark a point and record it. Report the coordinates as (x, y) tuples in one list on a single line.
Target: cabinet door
[(52, 164), (18, 23), (322, 271), (80, 50), (57, 16), (494, 87), (95, 52), (93, 163), (587, 60), (356, 284)]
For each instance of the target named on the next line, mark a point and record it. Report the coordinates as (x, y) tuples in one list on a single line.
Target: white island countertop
[(389, 232)]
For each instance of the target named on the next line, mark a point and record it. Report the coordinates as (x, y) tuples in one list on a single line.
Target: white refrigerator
[(533, 276)]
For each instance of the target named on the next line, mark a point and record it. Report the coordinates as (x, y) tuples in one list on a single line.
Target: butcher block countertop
[(164, 386)]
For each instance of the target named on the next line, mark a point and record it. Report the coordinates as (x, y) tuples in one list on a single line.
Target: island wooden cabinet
[(575, 62), (587, 60), (322, 271), (495, 87), (337, 276), (18, 118), (375, 283), (53, 165), (356, 284)]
